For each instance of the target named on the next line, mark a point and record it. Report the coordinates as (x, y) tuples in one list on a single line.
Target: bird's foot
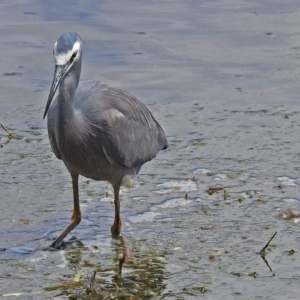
[(73, 242), (56, 245), (53, 247), (116, 228), (115, 235)]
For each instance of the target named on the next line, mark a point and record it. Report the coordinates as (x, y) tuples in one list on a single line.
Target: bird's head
[(67, 49), (67, 52)]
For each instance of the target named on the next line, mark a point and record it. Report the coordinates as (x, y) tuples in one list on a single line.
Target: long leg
[(117, 226), (76, 216)]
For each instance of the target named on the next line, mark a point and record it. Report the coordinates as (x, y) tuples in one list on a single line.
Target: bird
[(99, 132)]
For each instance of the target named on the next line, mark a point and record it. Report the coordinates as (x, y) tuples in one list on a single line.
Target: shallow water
[(222, 78)]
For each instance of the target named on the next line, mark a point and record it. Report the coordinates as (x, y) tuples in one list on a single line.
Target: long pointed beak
[(59, 73)]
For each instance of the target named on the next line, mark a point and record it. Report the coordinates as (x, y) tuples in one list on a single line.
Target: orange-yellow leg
[(76, 216)]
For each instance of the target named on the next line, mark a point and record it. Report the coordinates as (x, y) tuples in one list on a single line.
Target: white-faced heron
[(99, 132)]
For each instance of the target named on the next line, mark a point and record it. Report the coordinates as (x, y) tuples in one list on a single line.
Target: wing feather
[(126, 129)]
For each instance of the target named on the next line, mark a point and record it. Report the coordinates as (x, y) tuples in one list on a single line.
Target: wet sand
[(222, 78)]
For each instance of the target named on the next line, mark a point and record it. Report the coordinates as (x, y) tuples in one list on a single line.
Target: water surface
[(222, 78)]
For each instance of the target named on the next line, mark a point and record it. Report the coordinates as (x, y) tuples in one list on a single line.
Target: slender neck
[(67, 90)]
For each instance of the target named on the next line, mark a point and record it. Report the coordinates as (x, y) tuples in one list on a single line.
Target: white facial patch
[(63, 58)]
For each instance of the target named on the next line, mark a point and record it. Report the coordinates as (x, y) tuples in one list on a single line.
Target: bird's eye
[(73, 56)]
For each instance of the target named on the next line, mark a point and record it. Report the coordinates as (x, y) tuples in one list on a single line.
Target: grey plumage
[(100, 132)]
